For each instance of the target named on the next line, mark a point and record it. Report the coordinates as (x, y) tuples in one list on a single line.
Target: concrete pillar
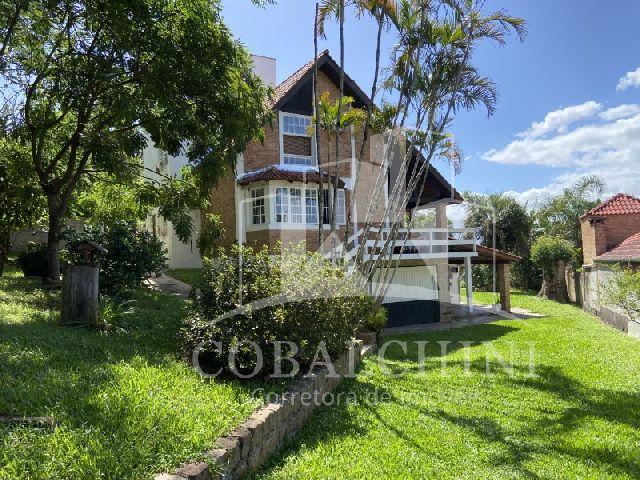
[(504, 276), (444, 292), (469, 283)]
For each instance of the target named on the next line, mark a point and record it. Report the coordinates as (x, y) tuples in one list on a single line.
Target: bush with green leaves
[(623, 291), (376, 321), (547, 253), (296, 297), (33, 260), (132, 255), (548, 250)]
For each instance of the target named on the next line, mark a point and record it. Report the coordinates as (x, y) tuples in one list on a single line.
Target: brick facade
[(259, 155), (222, 199), (600, 234)]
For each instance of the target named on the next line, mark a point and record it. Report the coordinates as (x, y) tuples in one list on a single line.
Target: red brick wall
[(258, 155), (270, 238), (600, 237), (620, 227)]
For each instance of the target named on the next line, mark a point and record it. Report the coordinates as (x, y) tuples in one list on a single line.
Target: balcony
[(413, 244)]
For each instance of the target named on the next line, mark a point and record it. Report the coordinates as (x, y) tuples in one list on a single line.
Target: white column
[(469, 283)]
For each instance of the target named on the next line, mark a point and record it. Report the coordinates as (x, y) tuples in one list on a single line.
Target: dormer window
[(296, 143)]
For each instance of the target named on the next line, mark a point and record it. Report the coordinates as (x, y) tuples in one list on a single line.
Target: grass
[(192, 276), (578, 416), (126, 406)]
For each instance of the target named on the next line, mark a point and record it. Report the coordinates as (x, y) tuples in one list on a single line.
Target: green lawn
[(578, 417), (126, 405), (192, 276)]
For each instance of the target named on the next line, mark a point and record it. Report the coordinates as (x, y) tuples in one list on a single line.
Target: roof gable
[(619, 204), (327, 65)]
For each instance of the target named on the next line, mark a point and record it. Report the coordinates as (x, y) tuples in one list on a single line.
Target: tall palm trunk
[(320, 199), (367, 124), (338, 129)]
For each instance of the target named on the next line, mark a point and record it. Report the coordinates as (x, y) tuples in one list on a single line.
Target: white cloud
[(622, 111), (608, 147), (559, 120), (630, 79), (579, 147)]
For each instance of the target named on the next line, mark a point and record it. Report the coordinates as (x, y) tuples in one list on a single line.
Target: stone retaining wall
[(255, 440)]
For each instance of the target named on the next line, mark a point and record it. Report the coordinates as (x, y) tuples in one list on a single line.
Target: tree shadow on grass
[(118, 391), (517, 442), (536, 435)]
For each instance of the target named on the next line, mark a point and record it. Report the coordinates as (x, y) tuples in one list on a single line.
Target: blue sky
[(560, 114)]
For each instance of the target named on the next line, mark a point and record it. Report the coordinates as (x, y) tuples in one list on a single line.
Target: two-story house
[(272, 196)]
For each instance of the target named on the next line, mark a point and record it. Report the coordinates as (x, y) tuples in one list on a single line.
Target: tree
[(513, 234), (432, 77), (384, 12), (332, 118), (21, 202), (560, 215), (85, 78), (511, 221), (551, 254)]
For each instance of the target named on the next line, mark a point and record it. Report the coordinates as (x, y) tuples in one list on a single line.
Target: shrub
[(297, 297), (525, 275), (376, 321), (132, 255), (33, 260), (482, 276), (548, 250), (547, 253), (623, 291)]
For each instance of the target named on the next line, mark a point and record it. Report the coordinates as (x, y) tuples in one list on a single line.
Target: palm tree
[(560, 215), (378, 9), (384, 12), (332, 118)]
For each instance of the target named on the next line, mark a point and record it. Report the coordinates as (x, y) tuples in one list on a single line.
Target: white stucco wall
[(265, 68), (180, 255)]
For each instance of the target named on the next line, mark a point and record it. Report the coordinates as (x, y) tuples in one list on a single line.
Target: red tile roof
[(276, 172), (619, 204), (627, 251)]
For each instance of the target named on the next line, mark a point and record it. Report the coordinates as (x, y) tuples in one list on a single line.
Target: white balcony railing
[(421, 243)]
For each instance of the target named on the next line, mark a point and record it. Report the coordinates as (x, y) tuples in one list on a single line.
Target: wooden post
[(80, 295), (504, 274)]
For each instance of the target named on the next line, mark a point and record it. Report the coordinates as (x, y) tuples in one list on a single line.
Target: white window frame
[(281, 205), (311, 206), (258, 206), (314, 157)]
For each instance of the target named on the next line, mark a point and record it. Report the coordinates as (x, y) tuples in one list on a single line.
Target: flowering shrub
[(296, 297)]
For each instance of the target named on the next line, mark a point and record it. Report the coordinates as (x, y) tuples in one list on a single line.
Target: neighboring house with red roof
[(273, 195), (607, 226), (610, 236)]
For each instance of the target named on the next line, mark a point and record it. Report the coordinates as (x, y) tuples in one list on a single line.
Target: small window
[(282, 205), (340, 211), (257, 206), (295, 140), (311, 201), (296, 125), (295, 195)]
